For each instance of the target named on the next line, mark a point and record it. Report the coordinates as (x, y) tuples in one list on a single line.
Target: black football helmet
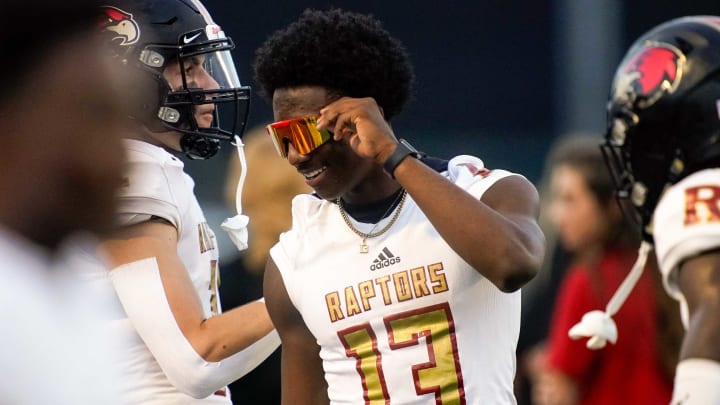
[(663, 113), (188, 79)]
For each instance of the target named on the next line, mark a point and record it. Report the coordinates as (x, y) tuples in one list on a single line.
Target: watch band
[(403, 150)]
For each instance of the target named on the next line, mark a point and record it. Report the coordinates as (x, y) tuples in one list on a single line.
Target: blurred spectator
[(61, 122), (603, 246), (269, 188)]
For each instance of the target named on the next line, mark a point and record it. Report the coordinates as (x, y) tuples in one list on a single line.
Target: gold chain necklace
[(371, 234)]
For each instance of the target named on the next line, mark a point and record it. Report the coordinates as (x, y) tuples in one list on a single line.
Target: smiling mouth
[(314, 173)]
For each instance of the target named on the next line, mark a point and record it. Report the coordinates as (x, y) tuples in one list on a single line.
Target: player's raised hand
[(360, 121)]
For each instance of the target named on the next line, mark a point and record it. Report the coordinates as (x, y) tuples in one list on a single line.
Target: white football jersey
[(54, 349), (157, 186), (686, 222), (409, 322)]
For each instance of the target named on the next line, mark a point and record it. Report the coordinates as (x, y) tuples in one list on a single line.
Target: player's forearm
[(143, 296), (507, 250), (223, 335), (698, 281), (702, 337)]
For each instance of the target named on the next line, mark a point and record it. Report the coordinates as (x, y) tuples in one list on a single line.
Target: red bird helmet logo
[(649, 74), (121, 23)]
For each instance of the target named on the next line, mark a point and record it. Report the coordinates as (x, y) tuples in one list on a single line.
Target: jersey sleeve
[(291, 242), (470, 173), (148, 189), (686, 223), (574, 299)]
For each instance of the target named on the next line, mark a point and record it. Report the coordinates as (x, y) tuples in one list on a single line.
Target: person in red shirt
[(591, 226)]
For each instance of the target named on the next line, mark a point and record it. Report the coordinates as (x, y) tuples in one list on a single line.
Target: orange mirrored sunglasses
[(302, 133)]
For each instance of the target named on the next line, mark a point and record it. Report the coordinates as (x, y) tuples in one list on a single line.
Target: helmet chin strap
[(599, 325), (198, 147), (236, 227)]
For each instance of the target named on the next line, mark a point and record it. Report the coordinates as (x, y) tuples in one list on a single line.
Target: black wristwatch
[(403, 150)]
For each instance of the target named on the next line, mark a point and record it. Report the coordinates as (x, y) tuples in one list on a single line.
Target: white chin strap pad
[(598, 325), (236, 227), (140, 289)]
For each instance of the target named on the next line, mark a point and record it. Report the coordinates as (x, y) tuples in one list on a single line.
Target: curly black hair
[(347, 53)]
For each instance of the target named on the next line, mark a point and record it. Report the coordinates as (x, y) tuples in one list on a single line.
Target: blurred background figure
[(270, 186), (61, 119), (602, 245)]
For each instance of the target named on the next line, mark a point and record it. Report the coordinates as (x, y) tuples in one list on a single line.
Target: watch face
[(407, 145)]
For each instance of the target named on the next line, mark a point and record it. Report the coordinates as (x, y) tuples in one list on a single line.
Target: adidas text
[(385, 263), (384, 259)]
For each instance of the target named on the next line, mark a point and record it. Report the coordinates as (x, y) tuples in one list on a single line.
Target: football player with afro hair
[(365, 60), (399, 279)]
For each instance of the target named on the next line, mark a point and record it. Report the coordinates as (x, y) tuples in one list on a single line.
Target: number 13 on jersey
[(439, 375)]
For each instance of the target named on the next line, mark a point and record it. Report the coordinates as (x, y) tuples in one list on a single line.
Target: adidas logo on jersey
[(384, 259)]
